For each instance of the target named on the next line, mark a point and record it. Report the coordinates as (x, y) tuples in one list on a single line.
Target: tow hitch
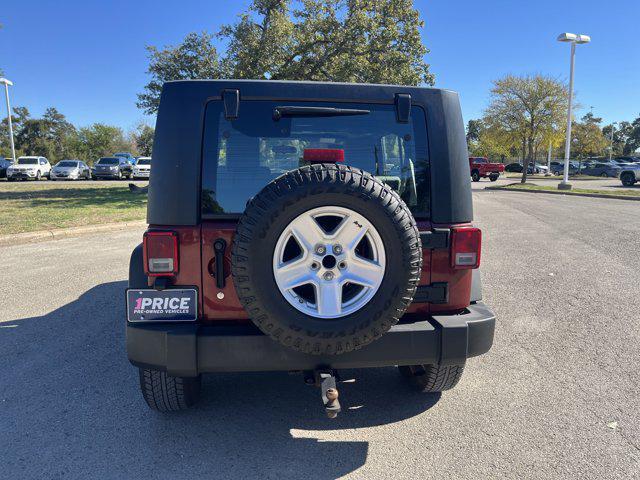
[(326, 380)]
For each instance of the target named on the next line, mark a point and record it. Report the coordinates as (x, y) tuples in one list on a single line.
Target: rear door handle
[(219, 246)]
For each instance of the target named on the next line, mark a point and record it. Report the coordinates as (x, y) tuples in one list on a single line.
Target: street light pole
[(573, 39), (6, 93)]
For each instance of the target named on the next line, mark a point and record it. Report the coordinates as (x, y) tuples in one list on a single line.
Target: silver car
[(70, 170)]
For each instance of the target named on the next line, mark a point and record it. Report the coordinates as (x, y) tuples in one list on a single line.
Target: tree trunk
[(524, 161), (528, 161)]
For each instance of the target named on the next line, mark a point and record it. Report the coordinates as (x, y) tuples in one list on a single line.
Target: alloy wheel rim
[(329, 262)]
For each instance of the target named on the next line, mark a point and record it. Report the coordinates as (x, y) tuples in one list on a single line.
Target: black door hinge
[(435, 239), (434, 293), (231, 101)]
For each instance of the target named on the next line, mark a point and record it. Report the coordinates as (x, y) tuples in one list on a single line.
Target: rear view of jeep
[(307, 227)]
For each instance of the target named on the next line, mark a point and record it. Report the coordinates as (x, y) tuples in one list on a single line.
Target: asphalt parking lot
[(612, 184), (557, 397)]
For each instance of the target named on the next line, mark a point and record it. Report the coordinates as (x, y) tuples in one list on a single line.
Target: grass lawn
[(573, 191), (33, 206)]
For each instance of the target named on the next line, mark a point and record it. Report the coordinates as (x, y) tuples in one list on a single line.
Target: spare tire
[(326, 259)]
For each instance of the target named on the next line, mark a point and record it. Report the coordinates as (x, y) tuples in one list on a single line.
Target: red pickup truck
[(481, 167)]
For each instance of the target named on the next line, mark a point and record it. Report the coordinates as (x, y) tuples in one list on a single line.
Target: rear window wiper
[(291, 111)]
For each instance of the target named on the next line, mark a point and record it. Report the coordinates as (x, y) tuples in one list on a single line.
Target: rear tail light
[(466, 244), (160, 253), (323, 155)]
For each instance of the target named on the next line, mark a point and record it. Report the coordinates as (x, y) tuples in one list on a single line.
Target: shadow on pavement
[(71, 407)]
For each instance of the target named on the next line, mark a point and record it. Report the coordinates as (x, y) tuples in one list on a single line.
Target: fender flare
[(137, 277)]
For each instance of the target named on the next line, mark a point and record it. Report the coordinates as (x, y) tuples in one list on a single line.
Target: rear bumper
[(188, 350)]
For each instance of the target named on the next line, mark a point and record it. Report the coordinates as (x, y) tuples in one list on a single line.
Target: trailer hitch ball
[(332, 394)]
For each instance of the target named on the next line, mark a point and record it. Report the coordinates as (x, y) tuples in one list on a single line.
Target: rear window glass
[(27, 161), (109, 161), (143, 162), (244, 155)]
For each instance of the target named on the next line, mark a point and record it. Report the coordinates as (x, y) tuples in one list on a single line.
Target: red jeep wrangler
[(311, 227), (481, 167)]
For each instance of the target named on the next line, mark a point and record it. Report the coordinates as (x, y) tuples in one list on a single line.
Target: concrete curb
[(567, 192), (30, 237)]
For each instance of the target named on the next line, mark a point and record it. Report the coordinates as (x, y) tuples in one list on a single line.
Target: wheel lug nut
[(315, 266), (328, 276), (321, 250), (337, 249), (342, 265)]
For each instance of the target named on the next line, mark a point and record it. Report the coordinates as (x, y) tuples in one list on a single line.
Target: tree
[(633, 140), (587, 139), (18, 118), (589, 117), (485, 140), (195, 57), (100, 140), (51, 136), (473, 131), (527, 109), (144, 139), (370, 41)]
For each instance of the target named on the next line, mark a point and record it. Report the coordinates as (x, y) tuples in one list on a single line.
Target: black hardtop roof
[(300, 89), (174, 194)]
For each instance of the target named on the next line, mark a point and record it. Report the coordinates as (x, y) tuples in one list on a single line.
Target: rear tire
[(165, 393), (432, 378), (475, 176), (493, 178), (604, 175)]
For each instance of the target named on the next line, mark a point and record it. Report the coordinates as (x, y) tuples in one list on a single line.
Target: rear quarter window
[(241, 156)]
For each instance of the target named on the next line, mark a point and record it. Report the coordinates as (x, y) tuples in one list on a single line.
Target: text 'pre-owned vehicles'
[(481, 167), (70, 170), (310, 227), (142, 168), (29, 168), (112, 167)]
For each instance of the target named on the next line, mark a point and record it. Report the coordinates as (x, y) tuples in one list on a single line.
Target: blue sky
[(88, 59)]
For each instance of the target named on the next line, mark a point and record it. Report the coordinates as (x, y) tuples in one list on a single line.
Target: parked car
[(517, 168), (620, 162), (603, 169), (5, 163), (627, 159), (630, 175), (127, 156), (557, 168), (70, 170), (25, 168), (481, 167), (245, 268), (513, 167), (111, 167), (142, 168), (541, 169)]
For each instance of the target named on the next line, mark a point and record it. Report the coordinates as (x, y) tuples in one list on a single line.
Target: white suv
[(142, 168), (29, 168)]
